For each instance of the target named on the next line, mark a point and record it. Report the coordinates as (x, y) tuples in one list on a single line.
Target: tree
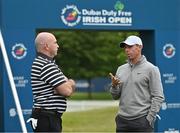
[(87, 54)]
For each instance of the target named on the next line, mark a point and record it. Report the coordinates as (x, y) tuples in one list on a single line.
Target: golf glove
[(33, 122)]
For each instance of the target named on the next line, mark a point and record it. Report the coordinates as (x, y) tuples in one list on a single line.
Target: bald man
[(50, 87)]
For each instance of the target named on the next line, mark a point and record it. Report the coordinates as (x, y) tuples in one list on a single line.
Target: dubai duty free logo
[(169, 50), (70, 15), (19, 51)]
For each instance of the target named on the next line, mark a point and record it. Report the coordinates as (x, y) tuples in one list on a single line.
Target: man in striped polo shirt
[(50, 86)]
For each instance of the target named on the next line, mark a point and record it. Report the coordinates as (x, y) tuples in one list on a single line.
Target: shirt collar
[(45, 56), (141, 60)]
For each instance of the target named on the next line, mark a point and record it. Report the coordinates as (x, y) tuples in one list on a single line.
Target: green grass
[(91, 96), (97, 120)]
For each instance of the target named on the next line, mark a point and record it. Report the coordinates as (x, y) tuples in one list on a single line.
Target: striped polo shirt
[(45, 77)]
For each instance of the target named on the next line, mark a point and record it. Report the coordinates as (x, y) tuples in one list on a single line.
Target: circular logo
[(70, 15), (169, 50), (19, 51)]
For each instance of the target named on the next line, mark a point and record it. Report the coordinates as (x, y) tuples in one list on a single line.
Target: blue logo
[(169, 50), (19, 51), (70, 15)]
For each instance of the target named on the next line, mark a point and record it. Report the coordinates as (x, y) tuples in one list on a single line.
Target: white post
[(13, 87)]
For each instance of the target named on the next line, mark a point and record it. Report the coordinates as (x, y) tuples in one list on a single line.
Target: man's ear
[(141, 46), (46, 46)]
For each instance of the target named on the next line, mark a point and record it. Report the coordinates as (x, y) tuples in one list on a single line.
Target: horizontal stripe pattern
[(45, 76)]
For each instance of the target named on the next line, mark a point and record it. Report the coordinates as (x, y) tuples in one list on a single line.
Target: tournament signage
[(72, 16), (161, 45)]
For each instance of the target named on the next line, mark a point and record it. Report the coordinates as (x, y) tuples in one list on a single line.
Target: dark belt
[(47, 111)]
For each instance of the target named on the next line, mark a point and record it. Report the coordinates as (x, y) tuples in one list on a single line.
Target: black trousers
[(137, 125), (48, 121)]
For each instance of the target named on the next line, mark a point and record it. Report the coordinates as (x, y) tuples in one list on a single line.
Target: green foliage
[(97, 120), (89, 53)]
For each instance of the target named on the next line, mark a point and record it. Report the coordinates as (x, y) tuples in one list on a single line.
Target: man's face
[(132, 52), (52, 46)]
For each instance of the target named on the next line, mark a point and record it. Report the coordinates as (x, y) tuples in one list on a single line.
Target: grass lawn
[(91, 96), (97, 120)]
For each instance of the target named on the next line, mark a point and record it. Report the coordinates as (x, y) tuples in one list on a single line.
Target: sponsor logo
[(169, 78), (13, 112), (20, 81), (166, 106), (70, 15), (172, 130), (19, 51), (169, 50)]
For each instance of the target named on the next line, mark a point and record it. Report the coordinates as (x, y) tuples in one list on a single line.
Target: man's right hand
[(115, 81), (66, 89)]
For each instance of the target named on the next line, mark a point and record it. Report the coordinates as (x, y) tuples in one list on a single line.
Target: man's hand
[(73, 84), (33, 122), (115, 81)]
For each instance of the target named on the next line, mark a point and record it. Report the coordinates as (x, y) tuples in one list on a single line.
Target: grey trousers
[(137, 125)]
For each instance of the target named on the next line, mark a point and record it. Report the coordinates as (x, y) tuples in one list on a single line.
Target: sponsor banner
[(117, 16), (169, 78)]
